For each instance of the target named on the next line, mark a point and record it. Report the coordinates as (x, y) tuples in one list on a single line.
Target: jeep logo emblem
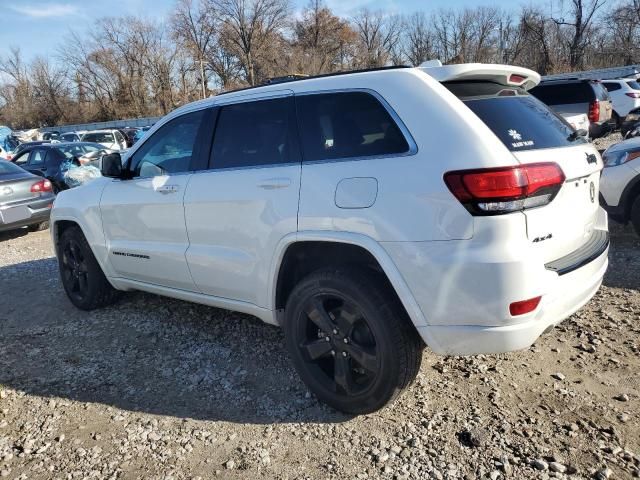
[(592, 192)]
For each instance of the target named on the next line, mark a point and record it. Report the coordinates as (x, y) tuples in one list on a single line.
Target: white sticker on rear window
[(518, 136)]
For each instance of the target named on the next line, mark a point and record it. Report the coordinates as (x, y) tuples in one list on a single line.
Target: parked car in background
[(111, 139), (129, 135), (25, 199), (620, 182), (580, 122), (631, 123), (50, 136), (140, 133), (20, 148), (8, 143), (48, 160), (330, 207), (570, 97), (70, 137), (625, 96)]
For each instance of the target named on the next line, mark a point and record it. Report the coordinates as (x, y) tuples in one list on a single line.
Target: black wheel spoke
[(342, 374), (345, 318), (83, 283), (363, 356), (318, 315), (316, 349)]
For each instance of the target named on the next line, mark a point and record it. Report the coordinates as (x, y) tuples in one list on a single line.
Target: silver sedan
[(25, 199)]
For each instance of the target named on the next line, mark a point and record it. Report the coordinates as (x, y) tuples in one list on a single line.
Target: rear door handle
[(166, 189), (274, 183)]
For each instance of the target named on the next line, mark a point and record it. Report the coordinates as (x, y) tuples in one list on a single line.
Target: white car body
[(219, 236), (578, 122), (624, 96), (620, 181), (110, 139)]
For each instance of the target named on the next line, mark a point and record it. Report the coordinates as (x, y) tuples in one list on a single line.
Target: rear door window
[(563, 93), (518, 119), (347, 125), (36, 159), (255, 133), (611, 86)]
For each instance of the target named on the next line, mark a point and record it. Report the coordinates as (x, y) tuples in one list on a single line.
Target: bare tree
[(250, 25), (194, 28), (379, 35), (419, 40), (582, 13)]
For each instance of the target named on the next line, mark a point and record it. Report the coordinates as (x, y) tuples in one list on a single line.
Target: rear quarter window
[(633, 84), (518, 119)]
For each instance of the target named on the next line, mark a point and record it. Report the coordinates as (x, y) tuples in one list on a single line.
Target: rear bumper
[(35, 212), (464, 288), (569, 293)]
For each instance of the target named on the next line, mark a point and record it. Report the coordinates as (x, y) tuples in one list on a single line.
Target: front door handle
[(274, 183), (166, 189)]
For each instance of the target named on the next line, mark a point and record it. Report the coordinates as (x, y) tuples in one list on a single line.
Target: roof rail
[(299, 77)]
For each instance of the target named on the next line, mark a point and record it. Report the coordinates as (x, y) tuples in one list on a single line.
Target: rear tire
[(634, 215), (615, 121), (39, 227), (350, 339), (82, 277)]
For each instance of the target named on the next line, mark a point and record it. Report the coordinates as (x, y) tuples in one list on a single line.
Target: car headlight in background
[(614, 159)]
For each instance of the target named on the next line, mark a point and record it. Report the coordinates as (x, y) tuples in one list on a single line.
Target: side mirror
[(111, 165)]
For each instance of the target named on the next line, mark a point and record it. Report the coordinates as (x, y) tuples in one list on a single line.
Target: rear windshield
[(633, 84), (564, 93), (98, 137), (518, 119), (7, 168)]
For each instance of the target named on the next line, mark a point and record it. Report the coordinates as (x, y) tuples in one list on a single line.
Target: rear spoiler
[(508, 75)]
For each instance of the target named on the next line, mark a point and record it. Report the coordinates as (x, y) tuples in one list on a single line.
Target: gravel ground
[(605, 142), (158, 388)]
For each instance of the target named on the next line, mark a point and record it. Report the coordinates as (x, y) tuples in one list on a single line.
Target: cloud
[(46, 10)]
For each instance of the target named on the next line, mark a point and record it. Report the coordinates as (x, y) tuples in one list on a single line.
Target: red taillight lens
[(41, 186), (594, 111), (633, 94), (515, 78), (493, 191), (524, 306)]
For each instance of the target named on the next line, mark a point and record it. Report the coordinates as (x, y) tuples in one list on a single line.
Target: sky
[(39, 26)]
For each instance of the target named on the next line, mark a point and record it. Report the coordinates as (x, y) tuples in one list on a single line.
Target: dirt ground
[(159, 388)]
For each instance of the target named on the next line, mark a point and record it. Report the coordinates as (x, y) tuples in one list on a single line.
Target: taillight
[(632, 94), (524, 306), (494, 191), (41, 186), (594, 111)]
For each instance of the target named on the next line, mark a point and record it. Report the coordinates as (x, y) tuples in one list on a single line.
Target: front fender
[(81, 205)]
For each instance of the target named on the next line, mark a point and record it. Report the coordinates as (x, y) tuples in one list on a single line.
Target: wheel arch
[(629, 194), (355, 247)]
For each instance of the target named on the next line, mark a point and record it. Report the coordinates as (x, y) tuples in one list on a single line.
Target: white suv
[(364, 213), (625, 96)]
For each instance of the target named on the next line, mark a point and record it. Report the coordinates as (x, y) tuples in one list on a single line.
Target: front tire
[(350, 339), (82, 277)]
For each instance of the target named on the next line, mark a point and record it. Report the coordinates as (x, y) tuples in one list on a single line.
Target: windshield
[(7, 168), (71, 151), (98, 137), (519, 120)]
